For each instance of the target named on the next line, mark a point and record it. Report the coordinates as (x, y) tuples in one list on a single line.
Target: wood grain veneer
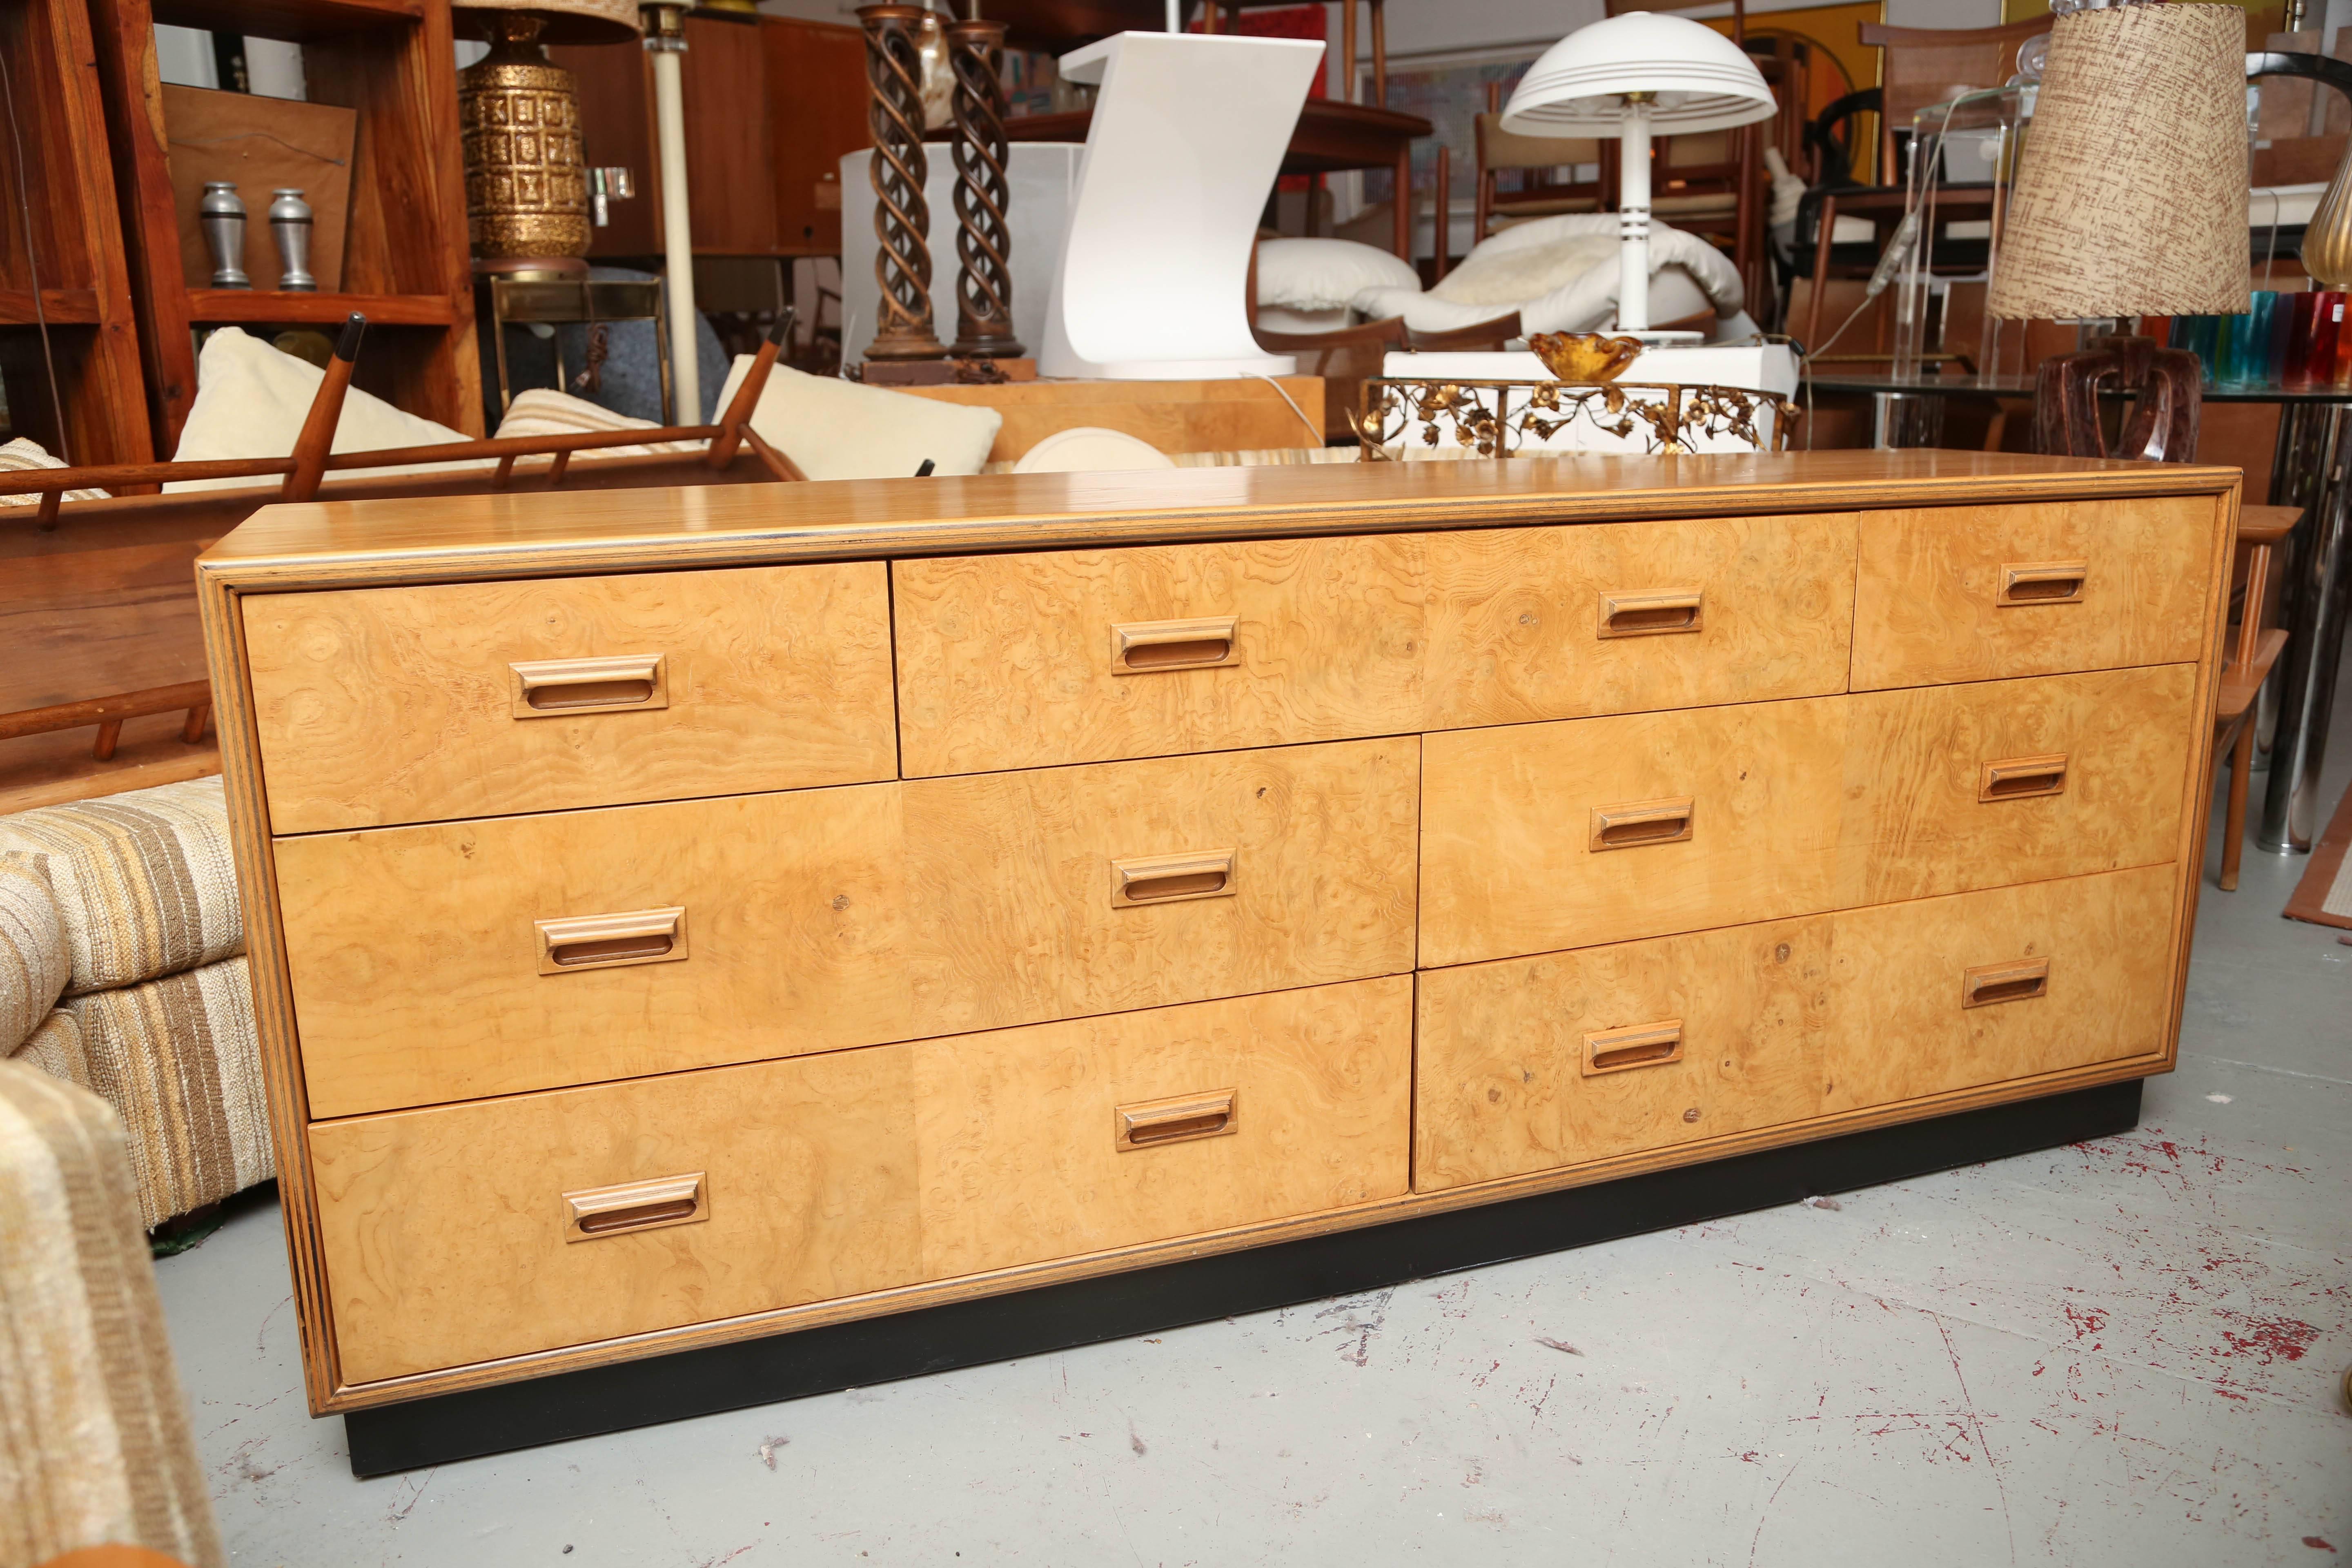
[(446, 1235), (816, 919), (1928, 589), (1044, 834), (1781, 1021), (386, 707), (1795, 807)]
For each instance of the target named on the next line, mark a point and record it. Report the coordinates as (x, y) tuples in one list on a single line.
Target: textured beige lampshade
[(2131, 194)]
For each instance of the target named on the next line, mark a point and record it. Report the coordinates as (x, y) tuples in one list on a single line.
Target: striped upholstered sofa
[(156, 1014)]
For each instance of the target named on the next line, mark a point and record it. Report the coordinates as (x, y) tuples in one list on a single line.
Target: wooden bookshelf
[(406, 262), (75, 256)]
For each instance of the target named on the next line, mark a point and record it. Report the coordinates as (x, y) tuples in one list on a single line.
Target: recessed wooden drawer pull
[(2019, 980), (1644, 615), (1633, 1046), (1150, 1122), (2020, 778), (2043, 582), (1148, 647), (595, 1212), (1640, 822), (608, 942), (1171, 879), (549, 687)]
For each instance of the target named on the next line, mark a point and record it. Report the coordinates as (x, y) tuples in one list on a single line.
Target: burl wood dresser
[(691, 918)]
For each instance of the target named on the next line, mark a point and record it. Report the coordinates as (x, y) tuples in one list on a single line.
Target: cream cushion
[(1687, 275), (24, 453), (543, 411), (34, 963), (251, 401), (1091, 449), (1326, 274), (837, 429)]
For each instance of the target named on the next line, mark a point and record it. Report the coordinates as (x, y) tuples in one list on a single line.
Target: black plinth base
[(1086, 1311)]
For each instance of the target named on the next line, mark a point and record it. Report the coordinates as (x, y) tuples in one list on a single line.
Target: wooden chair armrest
[(2266, 524), (2240, 684)]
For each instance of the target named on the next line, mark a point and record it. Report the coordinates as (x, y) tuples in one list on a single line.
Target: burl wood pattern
[(1010, 918), (1798, 807), (821, 919), (416, 966), (1928, 580), (1513, 617), (1005, 661), (444, 1228), (850, 1171), (388, 706), (1782, 1021)]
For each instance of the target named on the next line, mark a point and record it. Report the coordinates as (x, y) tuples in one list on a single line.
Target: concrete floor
[(2119, 1353)]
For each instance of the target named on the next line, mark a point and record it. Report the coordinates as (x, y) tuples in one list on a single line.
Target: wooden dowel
[(555, 469), (724, 445), (109, 732), (96, 710), (318, 437), (193, 730), (1380, 57), (778, 463), (1440, 215), (1347, 86)]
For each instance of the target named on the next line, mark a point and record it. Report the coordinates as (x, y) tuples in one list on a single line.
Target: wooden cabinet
[(1022, 879), (774, 102), (405, 262)]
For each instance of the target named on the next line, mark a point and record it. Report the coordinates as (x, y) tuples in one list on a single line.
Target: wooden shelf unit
[(405, 261), (76, 255)]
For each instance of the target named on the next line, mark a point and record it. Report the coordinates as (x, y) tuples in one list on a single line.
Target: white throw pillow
[(1507, 277), (251, 401), (837, 429), (1325, 274), (1091, 449)]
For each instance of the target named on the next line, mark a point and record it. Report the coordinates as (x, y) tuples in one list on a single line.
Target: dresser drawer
[(458, 960), (1010, 661), (395, 705), (453, 1235), (451, 961), (1955, 993), (1954, 787), (464, 1233), (1976, 593), (1541, 836), (1065, 892), (1534, 1064), (1560, 623)]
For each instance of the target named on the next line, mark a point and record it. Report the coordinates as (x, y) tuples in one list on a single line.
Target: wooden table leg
[(1404, 203)]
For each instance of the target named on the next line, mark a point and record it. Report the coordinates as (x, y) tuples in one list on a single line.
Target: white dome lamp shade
[(1624, 77)]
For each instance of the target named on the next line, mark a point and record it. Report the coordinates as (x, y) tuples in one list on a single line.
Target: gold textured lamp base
[(526, 180)]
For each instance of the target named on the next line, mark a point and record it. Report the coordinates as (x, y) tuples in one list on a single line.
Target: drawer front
[(1979, 592), (449, 1240), (1070, 1138), (1010, 661), (1563, 623), (424, 970), (462, 1233), (1541, 836), (395, 705), (1954, 787), (1066, 891), (1534, 1063), (1950, 994)]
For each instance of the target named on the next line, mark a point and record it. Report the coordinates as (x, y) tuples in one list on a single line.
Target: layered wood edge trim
[(265, 966), (701, 534), (1407, 1205), (2197, 804)]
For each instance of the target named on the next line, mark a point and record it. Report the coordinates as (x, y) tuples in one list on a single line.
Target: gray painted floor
[(2121, 1352)]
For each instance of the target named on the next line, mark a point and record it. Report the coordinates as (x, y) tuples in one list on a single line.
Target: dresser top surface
[(538, 532)]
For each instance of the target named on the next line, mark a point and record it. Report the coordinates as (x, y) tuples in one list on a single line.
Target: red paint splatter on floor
[(2272, 1339), (2315, 1540)]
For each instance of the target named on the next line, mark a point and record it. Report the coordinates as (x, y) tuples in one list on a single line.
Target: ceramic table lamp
[(518, 116), (2131, 189), (1627, 76)]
